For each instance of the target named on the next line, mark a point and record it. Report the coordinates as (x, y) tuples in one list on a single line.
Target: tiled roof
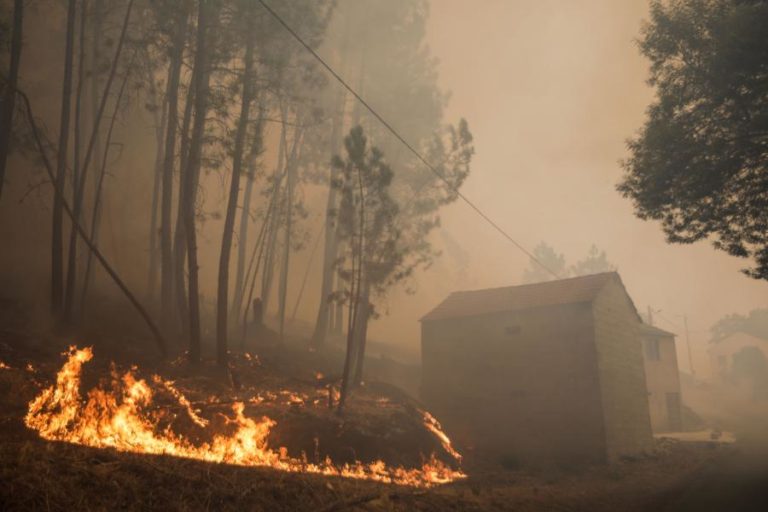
[(514, 298)]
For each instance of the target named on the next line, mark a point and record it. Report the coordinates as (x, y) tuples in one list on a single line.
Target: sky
[(552, 89)]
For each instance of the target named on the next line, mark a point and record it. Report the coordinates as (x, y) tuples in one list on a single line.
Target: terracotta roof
[(514, 298), (652, 330)]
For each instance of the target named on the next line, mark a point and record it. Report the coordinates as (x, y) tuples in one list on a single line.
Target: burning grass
[(123, 416)]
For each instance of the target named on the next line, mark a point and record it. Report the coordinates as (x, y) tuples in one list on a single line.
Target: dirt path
[(736, 483)]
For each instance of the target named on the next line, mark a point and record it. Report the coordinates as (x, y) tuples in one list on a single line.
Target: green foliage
[(367, 216), (755, 323), (700, 163), (595, 263), (553, 261)]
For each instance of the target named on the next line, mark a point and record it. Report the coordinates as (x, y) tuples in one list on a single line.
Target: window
[(652, 352)]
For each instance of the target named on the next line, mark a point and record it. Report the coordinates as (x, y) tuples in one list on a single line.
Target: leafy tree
[(367, 219), (595, 262), (548, 257), (386, 240), (700, 163), (398, 77), (755, 323)]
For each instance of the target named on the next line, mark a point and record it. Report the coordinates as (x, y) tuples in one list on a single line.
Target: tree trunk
[(338, 321), (97, 198), (325, 310), (96, 27), (361, 325), (80, 186), (355, 295), (193, 169), (290, 180), (245, 217), (159, 159), (179, 237), (9, 98), (57, 238), (69, 288), (271, 240), (229, 220), (59, 192), (169, 153)]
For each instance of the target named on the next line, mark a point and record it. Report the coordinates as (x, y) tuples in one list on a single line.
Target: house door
[(674, 412)]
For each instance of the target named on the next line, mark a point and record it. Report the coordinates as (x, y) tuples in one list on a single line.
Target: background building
[(662, 379)]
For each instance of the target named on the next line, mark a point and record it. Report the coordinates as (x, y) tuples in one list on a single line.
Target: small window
[(652, 352), (511, 330)]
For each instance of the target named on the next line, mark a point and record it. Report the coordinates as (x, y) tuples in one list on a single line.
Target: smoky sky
[(552, 89)]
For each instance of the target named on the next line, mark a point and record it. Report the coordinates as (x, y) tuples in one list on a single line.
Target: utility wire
[(394, 132)]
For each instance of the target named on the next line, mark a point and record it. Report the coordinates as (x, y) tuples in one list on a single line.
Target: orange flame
[(434, 426), (114, 419)]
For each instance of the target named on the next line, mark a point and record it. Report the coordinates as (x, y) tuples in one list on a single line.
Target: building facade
[(662, 378), (544, 371)]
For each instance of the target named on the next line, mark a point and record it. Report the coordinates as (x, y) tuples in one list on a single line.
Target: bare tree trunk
[(245, 217), (69, 288), (96, 28), (97, 198), (291, 169), (59, 192), (172, 99), (258, 253), (195, 156), (179, 236), (361, 324), (271, 240), (80, 188), (338, 321), (9, 97), (57, 238), (325, 310), (229, 220), (160, 141)]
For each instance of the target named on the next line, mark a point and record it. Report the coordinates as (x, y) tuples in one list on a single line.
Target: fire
[(434, 426), (4, 366), (118, 419)]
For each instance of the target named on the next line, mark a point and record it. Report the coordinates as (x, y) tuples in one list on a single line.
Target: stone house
[(662, 378), (548, 371)]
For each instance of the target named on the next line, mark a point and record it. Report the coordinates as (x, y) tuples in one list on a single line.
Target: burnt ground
[(381, 423)]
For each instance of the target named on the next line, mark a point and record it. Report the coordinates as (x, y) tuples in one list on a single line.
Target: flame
[(117, 419), (4, 366), (434, 426)]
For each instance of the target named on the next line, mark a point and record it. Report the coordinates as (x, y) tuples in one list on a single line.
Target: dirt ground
[(39, 475)]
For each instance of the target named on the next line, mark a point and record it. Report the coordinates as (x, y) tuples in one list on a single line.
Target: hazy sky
[(552, 89)]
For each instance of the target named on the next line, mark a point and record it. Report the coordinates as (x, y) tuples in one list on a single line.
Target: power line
[(394, 132)]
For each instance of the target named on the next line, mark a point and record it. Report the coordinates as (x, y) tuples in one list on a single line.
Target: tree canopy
[(699, 163), (755, 323)]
